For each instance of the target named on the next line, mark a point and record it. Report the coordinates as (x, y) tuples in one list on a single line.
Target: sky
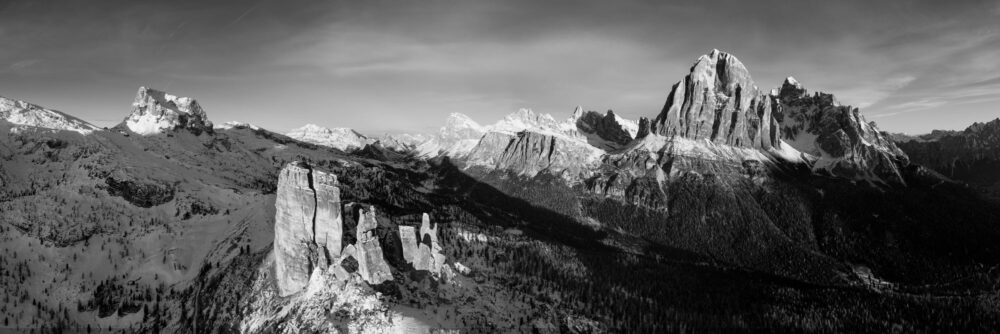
[(404, 66)]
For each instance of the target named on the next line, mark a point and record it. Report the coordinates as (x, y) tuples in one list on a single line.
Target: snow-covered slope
[(26, 114), (340, 138)]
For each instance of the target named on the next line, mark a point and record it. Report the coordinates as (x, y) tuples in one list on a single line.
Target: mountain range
[(734, 208)]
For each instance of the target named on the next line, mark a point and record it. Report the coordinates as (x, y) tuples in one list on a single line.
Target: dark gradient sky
[(397, 66)]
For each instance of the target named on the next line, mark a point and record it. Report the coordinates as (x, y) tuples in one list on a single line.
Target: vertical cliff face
[(307, 227), (408, 239), (718, 102), (368, 251), (329, 225), (295, 208)]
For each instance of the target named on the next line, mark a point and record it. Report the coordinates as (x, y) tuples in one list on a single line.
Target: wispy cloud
[(245, 13), (24, 64)]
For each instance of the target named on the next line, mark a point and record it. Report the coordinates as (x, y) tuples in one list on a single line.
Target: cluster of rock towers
[(308, 234)]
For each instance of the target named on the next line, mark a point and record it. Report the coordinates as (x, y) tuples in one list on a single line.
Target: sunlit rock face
[(718, 102), (295, 208), (371, 262), (422, 249), (156, 112), (308, 225), (408, 239), (717, 122), (329, 222)]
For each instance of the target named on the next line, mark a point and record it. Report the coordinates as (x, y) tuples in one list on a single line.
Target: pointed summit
[(718, 101), (578, 112), (156, 112)]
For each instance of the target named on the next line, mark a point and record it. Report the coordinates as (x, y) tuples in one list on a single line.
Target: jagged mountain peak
[(990, 126), (724, 70), (718, 101), (22, 113), (578, 112), (156, 112), (841, 140)]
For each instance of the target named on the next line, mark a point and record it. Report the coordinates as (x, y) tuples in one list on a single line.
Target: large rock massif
[(840, 139), (156, 112), (716, 121)]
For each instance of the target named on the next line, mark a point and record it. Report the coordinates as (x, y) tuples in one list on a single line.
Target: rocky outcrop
[(423, 250), (368, 252), (307, 227), (308, 235), (408, 240), (144, 194), (156, 112), (718, 102), (839, 138), (295, 209), (329, 223)]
